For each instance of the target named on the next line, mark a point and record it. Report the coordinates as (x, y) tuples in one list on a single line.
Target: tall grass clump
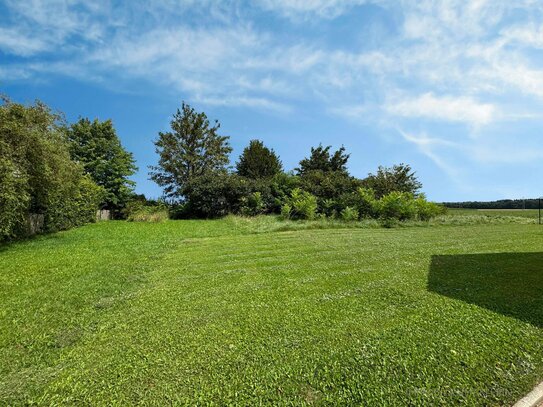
[(138, 212)]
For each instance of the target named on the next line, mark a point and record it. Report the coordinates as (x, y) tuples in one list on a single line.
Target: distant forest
[(501, 204)]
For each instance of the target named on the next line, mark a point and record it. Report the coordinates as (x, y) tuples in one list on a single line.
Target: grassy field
[(524, 213), (209, 312)]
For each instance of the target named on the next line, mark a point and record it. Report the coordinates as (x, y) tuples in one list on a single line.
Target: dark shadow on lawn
[(508, 283), (10, 244)]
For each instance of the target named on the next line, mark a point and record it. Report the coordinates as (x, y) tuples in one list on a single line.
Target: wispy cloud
[(296, 9), (250, 102), (454, 109), (14, 41), (432, 67), (430, 146)]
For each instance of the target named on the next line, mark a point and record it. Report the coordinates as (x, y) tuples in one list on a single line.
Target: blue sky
[(454, 88)]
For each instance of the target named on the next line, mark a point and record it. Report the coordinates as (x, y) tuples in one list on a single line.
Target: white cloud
[(13, 41), (181, 47), (448, 68), (448, 47), (430, 148), (530, 35), (41, 26), (13, 73), (303, 8), (241, 101), (453, 109), (297, 59)]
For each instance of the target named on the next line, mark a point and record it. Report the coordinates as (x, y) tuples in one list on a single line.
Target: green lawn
[(207, 312)]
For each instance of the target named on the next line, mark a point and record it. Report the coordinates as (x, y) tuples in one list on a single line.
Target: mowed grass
[(209, 312)]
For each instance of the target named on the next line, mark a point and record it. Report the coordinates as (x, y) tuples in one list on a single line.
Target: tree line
[(500, 204), (64, 172), (198, 180)]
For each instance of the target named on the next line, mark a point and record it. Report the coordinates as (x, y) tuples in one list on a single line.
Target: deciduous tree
[(399, 178), (193, 148), (96, 146)]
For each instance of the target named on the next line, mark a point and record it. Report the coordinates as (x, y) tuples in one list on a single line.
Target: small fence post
[(539, 210)]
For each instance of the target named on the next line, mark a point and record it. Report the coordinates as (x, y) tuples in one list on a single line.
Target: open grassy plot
[(522, 213), (207, 312)]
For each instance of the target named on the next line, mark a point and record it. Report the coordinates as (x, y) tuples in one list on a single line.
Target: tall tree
[(321, 159), (324, 174), (192, 149), (96, 146), (398, 178), (258, 161)]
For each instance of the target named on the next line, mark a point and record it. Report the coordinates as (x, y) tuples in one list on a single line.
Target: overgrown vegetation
[(140, 209), (66, 172), (193, 169), (37, 176)]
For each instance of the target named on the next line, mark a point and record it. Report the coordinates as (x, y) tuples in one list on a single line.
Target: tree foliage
[(321, 159), (37, 175), (300, 205), (324, 174), (192, 149), (97, 148), (193, 170), (258, 161), (216, 193), (328, 185), (400, 178)]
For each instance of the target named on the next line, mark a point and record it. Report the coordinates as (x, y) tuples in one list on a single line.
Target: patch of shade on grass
[(189, 312)]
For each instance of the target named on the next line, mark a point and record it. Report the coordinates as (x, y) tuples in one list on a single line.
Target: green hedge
[(37, 175)]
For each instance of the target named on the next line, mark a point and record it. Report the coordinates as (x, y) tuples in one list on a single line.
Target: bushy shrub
[(253, 204), (397, 205), (335, 185), (363, 200), (179, 211), (366, 203), (285, 211), (391, 209), (88, 199), (280, 188), (329, 208), (73, 203), (427, 210), (216, 194), (37, 175), (399, 178), (303, 204), (346, 200), (14, 200), (349, 214)]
